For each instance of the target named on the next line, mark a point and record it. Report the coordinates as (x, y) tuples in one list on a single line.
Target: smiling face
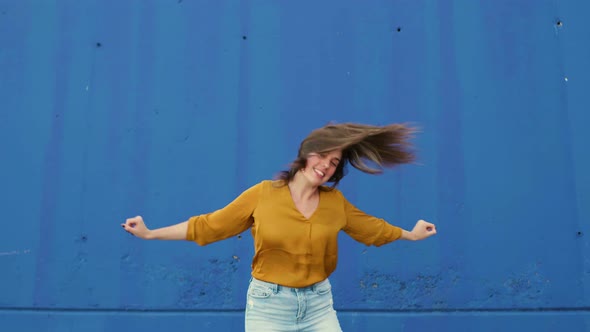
[(320, 167)]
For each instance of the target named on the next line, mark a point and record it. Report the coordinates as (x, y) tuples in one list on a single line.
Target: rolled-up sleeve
[(229, 221), (367, 229)]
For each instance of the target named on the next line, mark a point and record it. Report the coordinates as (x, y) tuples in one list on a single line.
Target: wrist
[(149, 235), (410, 236)]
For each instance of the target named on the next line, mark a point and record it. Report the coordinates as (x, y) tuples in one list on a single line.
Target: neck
[(301, 189)]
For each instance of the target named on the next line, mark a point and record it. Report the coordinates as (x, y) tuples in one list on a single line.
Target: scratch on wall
[(15, 252)]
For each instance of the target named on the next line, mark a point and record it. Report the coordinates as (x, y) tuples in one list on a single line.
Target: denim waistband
[(276, 287)]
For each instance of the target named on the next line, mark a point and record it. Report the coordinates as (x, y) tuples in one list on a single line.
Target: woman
[(295, 221)]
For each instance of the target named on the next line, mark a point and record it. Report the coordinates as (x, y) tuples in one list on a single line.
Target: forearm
[(408, 235), (174, 232)]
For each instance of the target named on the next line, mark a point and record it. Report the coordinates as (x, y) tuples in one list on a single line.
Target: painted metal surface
[(171, 108)]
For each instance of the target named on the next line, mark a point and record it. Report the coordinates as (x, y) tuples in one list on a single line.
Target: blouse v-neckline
[(294, 205)]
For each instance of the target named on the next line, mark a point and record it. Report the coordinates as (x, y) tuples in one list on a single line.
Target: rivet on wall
[(557, 25)]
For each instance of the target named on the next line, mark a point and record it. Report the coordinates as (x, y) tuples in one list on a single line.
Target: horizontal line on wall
[(470, 310), (364, 311)]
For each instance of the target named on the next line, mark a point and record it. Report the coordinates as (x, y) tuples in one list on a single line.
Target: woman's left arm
[(374, 231)]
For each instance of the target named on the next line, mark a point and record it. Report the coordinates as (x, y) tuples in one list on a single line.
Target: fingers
[(432, 230), (131, 223), (127, 229), (426, 224), (428, 228)]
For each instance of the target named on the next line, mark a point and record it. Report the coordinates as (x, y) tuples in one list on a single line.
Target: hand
[(136, 226), (423, 230)]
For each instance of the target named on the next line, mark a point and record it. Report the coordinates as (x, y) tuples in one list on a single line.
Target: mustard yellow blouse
[(290, 249)]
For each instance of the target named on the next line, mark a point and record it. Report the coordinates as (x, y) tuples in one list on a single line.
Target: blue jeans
[(276, 308)]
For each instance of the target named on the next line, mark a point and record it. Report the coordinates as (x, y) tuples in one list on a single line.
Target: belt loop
[(315, 286)]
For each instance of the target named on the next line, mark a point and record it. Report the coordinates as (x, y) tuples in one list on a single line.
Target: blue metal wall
[(171, 108)]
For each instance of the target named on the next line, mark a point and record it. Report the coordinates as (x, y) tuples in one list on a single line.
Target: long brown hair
[(382, 146)]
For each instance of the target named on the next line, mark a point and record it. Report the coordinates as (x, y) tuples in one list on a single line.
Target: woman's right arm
[(137, 227)]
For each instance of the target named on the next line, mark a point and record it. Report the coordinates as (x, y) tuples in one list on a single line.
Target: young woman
[(295, 221)]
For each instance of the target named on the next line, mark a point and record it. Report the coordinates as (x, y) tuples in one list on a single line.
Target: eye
[(334, 163)]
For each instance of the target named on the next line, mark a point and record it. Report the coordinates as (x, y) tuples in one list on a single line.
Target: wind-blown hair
[(382, 146)]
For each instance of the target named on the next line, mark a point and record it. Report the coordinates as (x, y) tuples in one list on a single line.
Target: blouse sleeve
[(368, 229), (229, 221)]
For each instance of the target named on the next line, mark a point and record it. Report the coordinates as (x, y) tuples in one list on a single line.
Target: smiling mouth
[(318, 172)]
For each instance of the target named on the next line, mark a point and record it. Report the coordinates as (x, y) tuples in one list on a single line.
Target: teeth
[(319, 172)]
